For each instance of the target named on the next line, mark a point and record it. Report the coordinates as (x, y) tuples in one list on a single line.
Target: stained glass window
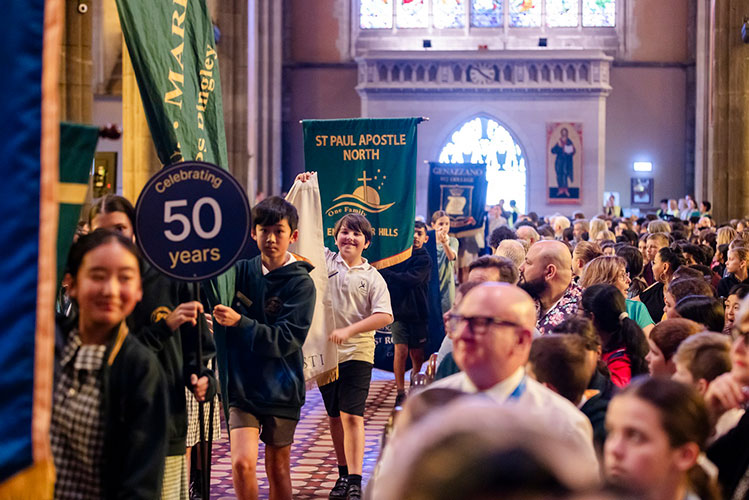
[(599, 13), (375, 14), (486, 13), (448, 13), (525, 13), (483, 140), (562, 13), (411, 13)]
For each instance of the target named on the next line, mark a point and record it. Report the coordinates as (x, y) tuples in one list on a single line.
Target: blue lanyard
[(519, 390)]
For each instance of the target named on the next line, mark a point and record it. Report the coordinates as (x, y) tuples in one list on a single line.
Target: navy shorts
[(413, 334), (349, 392)]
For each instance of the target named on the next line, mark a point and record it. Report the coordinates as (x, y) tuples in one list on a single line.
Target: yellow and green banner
[(173, 51), (367, 166), (77, 151)]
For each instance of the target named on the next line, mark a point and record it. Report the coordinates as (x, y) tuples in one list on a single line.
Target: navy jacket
[(264, 363), (408, 283)]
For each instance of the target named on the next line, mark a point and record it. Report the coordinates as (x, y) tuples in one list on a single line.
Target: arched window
[(484, 140), (493, 24)]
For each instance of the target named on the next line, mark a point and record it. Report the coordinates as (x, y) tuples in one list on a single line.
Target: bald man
[(492, 338), (528, 233), (546, 274)]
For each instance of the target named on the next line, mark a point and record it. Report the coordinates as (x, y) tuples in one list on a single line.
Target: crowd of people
[(612, 360), (602, 358)]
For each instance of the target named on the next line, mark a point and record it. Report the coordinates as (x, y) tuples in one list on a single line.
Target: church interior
[(657, 92)]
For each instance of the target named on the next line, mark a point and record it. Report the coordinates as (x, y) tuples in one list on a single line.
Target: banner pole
[(205, 483)]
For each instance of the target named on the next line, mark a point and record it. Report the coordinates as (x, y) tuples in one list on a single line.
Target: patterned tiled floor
[(313, 465)]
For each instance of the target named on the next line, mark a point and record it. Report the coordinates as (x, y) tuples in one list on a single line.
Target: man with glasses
[(492, 335)]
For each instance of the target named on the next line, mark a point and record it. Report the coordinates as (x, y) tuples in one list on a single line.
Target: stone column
[(728, 160), (265, 43), (139, 159), (231, 19), (76, 96)]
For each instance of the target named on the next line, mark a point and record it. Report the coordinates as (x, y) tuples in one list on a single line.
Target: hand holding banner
[(367, 166)]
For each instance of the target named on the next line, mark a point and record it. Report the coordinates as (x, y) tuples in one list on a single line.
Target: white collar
[(363, 265), (501, 391), (289, 259)]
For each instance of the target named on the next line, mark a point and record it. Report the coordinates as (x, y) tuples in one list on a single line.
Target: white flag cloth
[(320, 355)]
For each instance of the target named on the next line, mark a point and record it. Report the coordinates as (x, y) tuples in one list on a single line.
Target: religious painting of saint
[(564, 161)]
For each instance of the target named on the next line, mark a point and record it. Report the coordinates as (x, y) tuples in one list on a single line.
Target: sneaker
[(340, 489), (399, 399), (354, 492)]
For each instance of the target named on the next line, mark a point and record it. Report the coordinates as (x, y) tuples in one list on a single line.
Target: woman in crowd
[(702, 309), (737, 267), (612, 270), (667, 260), (584, 252), (664, 340), (659, 226), (596, 226), (624, 344), (583, 327), (725, 235), (679, 287), (109, 414), (656, 430), (732, 302), (634, 261)]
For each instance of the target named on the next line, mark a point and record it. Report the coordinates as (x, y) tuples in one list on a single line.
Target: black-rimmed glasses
[(478, 325)]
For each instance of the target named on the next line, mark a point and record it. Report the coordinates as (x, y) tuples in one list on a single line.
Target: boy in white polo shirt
[(361, 303)]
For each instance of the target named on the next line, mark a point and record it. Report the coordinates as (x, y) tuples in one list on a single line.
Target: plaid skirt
[(193, 420)]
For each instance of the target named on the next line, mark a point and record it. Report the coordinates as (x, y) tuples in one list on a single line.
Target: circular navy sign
[(192, 220)]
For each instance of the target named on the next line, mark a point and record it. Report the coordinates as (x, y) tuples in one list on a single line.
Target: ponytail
[(704, 486)]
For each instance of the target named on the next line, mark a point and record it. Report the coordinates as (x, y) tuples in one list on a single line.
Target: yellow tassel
[(34, 483)]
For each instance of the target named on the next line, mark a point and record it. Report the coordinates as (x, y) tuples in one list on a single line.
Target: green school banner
[(77, 151), (367, 166), (174, 57)]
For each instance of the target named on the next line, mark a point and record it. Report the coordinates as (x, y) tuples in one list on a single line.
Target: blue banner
[(22, 40)]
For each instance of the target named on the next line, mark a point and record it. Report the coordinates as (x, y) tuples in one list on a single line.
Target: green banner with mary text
[(173, 51), (367, 166)]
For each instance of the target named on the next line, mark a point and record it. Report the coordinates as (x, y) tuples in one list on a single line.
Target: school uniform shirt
[(519, 389), (356, 293)]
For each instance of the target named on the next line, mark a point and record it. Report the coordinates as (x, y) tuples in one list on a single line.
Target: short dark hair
[(683, 286), (559, 360), (704, 310), (420, 225), (633, 258), (500, 234), (741, 290), (669, 333), (273, 210), (355, 222), (508, 273), (664, 200), (707, 204), (581, 327)]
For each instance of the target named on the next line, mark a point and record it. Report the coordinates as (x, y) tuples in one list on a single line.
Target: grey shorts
[(413, 334), (274, 431)]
